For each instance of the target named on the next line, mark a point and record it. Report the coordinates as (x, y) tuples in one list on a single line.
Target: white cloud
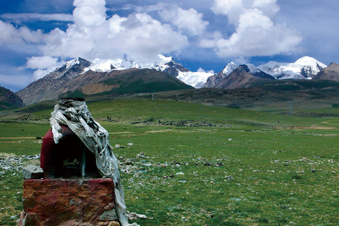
[(41, 62), (93, 35), (37, 16), (43, 65), (186, 20), (256, 33), (230, 8), (11, 35), (89, 13)]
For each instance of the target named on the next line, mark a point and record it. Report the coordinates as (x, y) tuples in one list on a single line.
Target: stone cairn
[(68, 188)]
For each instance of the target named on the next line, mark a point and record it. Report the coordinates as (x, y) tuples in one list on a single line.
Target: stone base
[(50, 202)]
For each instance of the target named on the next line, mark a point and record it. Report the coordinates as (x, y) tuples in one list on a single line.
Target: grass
[(254, 171)]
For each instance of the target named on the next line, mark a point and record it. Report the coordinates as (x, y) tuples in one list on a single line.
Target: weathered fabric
[(75, 115)]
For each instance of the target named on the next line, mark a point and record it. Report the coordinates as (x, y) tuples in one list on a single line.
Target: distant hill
[(117, 83), (74, 79), (9, 100), (262, 92), (329, 73)]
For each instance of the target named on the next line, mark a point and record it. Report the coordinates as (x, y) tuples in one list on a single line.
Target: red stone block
[(50, 202)]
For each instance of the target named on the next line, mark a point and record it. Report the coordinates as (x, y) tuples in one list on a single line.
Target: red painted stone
[(50, 202), (69, 147)]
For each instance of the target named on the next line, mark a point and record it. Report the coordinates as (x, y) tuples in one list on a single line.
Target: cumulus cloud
[(255, 34), (11, 35), (93, 35), (186, 20), (43, 65)]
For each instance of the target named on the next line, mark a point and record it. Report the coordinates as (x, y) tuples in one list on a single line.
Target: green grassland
[(204, 165)]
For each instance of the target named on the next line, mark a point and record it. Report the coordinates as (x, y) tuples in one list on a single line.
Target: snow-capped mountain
[(215, 80), (229, 68), (304, 68), (97, 77), (163, 64), (228, 78)]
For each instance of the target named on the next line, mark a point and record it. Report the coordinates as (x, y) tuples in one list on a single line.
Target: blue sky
[(38, 36)]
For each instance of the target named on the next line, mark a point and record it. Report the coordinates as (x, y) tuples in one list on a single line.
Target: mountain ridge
[(233, 76), (9, 100)]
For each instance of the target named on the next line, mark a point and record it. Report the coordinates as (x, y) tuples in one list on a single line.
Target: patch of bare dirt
[(98, 88)]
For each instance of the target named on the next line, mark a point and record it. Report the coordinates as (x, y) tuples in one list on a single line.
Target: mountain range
[(118, 77)]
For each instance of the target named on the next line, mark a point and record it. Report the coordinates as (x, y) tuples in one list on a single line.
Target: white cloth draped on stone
[(75, 114)]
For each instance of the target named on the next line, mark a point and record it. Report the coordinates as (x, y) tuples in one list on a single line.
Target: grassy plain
[(233, 167)]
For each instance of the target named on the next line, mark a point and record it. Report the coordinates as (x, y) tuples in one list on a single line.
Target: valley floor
[(201, 165)]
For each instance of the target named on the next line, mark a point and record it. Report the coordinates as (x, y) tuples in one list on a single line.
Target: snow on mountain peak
[(229, 68), (164, 59), (253, 69), (310, 61), (107, 65), (195, 79), (73, 62), (305, 67), (163, 63)]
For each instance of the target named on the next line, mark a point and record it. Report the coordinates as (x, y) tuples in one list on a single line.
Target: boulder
[(32, 172)]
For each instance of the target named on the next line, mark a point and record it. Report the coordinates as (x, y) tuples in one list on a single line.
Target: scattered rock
[(32, 172), (135, 216), (11, 162), (175, 163), (313, 171), (129, 162), (141, 155), (207, 164)]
